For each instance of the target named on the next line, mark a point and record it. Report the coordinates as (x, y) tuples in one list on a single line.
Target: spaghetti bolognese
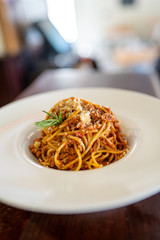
[(79, 135)]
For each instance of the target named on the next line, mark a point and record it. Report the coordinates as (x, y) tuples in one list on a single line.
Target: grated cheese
[(85, 117)]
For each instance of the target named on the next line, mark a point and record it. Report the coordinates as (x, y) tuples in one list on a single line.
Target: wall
[(28, 11), (96, 17)]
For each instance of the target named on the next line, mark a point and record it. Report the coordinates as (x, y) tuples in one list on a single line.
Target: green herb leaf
[(54, 121)]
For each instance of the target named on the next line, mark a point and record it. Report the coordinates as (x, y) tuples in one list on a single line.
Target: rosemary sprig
[(54, 121)]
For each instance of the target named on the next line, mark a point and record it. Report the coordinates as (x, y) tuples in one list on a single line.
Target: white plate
[(27, 185)]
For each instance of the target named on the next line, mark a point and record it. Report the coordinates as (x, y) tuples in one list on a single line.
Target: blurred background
[(96, 35)]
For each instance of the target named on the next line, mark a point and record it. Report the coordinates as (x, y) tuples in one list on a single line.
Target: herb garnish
[(54, 121)]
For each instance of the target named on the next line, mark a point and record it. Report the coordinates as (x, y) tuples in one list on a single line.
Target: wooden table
[(134, 222)]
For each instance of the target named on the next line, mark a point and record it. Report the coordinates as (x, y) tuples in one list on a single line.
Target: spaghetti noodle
[(89, 137)]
